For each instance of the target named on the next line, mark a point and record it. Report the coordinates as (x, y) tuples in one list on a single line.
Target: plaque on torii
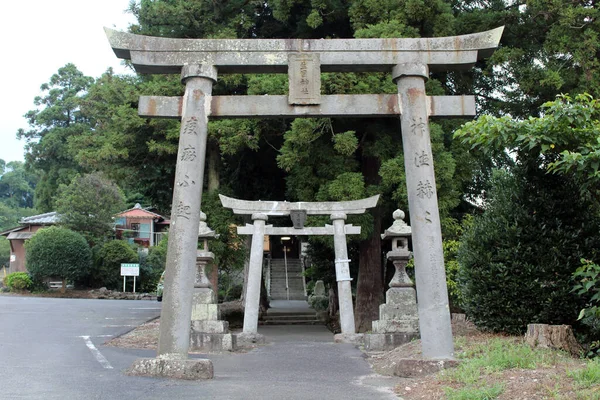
[(409, 61)]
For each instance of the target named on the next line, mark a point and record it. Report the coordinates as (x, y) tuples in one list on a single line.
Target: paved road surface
[(53, 349)]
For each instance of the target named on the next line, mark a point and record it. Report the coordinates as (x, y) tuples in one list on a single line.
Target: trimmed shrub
[(57, 253), (517, 259), (18, 281), (107, 264)]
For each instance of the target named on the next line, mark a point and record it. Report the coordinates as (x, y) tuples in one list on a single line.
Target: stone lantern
[(398, 318), (208, 332), (204, 256)]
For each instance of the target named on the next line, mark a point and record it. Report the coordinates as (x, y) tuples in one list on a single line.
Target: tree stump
[(553, 336)]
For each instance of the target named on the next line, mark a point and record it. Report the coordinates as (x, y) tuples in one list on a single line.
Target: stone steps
[(294, 281), (302, 318)]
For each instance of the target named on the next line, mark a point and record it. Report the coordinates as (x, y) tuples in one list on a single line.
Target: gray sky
[(39, 37)]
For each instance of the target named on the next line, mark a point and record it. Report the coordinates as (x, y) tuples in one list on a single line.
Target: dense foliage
[(107, 263), (517, 258), (153, 265), (17, 281), (58, 253), (88, 205)]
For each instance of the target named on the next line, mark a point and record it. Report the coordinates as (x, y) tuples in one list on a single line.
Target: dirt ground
[(519, 384)]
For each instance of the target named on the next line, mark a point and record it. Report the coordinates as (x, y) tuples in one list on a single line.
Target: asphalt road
[(53, 349)]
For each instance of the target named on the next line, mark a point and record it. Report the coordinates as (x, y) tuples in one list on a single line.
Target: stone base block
[(396, 326), (210, 326), (191, 369), (352, 338), (401, 296), (387, 341), (205, 312), (204, 296), (393, 311), (249, 340), (212, 342), (409, 367)]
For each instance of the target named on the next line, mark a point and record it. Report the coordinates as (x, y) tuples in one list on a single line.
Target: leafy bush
[(153, 265), (107, 263), (588, 286), (18, 281), (517, 258), (318, 303), (57, 253)]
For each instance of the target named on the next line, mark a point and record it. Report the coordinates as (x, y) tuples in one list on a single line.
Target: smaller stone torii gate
[(408, 60), (261, 210)]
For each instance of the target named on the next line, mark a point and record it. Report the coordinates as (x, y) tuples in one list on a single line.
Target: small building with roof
[(140, 226), (17, 237)]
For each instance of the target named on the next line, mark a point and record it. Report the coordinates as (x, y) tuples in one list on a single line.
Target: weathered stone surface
[(204, 296), (407, 325), (387, 341), (205, 312), (280, 208), (342, 275), (191, 369), (212, 342), (430, 274), (400, 296), (249, 340), (304, 74), (210, 326), (319, 288), (185, 213), (410, 367), (393, 311), (306, 231), (357, 339), (335, 105), (166, 55)]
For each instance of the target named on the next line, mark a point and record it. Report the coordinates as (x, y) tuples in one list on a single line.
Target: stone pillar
[(342, 274), (432, 293), (252, 300), (174, 339)]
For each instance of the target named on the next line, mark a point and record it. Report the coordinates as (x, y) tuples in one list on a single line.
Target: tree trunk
[(63, 289), (558, 337), (213, 165), (369, 287)]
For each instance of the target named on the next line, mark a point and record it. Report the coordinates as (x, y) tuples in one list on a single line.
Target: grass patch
[(588, 376), (472, 393), (498, 354)]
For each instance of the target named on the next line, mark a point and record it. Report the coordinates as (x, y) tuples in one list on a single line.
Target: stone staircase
[(295, 280), (293, 312)]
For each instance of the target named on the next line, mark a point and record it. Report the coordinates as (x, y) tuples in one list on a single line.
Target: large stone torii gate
[(409, 61)]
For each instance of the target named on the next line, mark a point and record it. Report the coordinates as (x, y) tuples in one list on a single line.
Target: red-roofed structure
[(141, 226)]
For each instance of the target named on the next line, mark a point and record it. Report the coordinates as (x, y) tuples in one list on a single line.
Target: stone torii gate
[(409, 60), (260, 210)]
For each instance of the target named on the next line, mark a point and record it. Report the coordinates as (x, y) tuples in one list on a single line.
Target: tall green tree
[(88, 204), (56, 119)]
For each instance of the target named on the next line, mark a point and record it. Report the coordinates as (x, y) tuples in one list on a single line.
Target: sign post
[(130, 270)]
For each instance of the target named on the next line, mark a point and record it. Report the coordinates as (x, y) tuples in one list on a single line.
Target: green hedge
[(516, 260), (57, 253)]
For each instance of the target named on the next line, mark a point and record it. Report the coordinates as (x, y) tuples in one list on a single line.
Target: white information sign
[(130, 270)]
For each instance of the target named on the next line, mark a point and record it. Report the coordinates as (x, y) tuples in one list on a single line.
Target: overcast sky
[(40, 36)]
